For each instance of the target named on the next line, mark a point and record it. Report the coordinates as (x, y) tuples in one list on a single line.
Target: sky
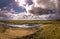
[(4, 3), (11, 4)]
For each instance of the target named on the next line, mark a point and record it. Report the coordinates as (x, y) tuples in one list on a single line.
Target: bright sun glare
[(21, 2)]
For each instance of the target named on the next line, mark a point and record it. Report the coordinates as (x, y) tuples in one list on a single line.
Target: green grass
[(49, 31), (31, 21)]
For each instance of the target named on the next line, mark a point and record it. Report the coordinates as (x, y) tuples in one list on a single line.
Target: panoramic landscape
[(48, 30), (29, 19)]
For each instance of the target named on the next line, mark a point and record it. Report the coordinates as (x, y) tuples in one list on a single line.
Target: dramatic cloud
[(44, 7), (36, 10)]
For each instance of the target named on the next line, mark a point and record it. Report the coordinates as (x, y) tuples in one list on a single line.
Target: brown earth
[(47, 31), (10, 33)]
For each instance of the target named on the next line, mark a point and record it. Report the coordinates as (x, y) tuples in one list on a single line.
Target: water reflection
[(22, 25)]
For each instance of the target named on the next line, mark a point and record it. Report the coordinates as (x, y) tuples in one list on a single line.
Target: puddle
[(22, 25)]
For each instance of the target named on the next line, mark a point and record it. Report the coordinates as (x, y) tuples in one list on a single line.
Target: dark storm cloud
[(40, 7), (40, 11)]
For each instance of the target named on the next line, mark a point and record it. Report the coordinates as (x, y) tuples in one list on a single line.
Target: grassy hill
[(50, 30)]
